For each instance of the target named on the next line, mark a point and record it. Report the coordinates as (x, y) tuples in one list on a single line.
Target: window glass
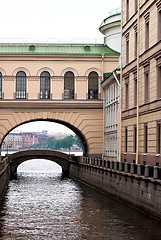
[(21, 85), (69, 85), (93, 85), (45, 85)]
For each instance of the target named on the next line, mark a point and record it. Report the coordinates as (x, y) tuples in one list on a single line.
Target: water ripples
[(42, 205)]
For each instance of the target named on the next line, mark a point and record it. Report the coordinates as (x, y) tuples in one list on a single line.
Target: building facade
[(12, 141), (29, 139), (56, 82), (111, 90), (111, 29), (141, 81)]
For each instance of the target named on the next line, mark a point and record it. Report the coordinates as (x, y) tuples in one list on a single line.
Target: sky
[(52, 19), (38, 126), (39, 19)]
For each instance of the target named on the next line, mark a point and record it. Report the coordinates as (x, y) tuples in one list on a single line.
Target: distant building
[(12, 141), (74, 147), (60, 135), (29, 139)]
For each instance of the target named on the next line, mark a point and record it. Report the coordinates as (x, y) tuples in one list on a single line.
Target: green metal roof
[(56, 49)]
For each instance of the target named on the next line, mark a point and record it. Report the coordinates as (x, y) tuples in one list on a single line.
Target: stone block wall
[(4, 175), (139, 189)]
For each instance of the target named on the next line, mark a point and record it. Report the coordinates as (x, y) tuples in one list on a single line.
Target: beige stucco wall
[(85, 116), (88, 120), (57, 67), (149, 113)]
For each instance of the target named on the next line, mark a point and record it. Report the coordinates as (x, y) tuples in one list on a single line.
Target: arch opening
[(60, 158), (41, 134), (39, 166)]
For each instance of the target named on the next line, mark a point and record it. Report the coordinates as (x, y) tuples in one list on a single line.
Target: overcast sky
[(38, 126), (60, 19), (54, 18)]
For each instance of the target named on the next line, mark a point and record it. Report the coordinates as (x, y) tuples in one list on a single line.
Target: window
[(127, 95), (159, 20), (145, 138), (0, 85), (158, 138), (146, 87), (158, 67), (127, 48), (135, 138), (146, 82), (45, 85), (127, 10), (136, 5), (126, 139), (135, 88), (159, 82), (69, 85), (93, 85), (21, 85), (135, 40), (147, 30)]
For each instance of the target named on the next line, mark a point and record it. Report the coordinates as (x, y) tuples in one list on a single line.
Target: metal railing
[(94, 96)]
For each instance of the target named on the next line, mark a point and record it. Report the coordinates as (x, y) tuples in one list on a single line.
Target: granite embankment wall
[(4, 175), (137, 185)]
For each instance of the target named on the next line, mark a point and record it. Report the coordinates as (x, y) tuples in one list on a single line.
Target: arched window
[(69, 85), (45, 85), (21, 85), (0, 85), (93, 85)]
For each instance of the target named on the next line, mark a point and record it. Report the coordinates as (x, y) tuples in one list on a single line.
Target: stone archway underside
[(55, 156), (84, 118)]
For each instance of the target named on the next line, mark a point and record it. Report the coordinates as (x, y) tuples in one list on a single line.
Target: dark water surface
[(42, 205)]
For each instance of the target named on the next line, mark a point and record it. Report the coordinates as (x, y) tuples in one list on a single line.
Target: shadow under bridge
[(58, 157)]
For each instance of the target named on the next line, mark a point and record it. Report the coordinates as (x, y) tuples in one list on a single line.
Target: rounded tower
[(111, 29)]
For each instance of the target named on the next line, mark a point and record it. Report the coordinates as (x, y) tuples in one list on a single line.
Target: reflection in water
[(41, 204)]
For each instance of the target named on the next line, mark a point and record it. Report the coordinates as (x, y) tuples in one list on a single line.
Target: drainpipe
[(120, 120), (138, 48), (119, 110), (104, 98)]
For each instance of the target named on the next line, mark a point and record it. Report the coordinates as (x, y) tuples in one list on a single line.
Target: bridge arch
[(67, 124), (85, 118), (60, 158)]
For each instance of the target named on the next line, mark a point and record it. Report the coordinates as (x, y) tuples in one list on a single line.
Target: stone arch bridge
[(55, 156), (85, 118)]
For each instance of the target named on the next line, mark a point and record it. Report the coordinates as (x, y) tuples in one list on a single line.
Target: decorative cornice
[(45, 69), (146, 17), (132, 70), (135, 75), (146, 68), (69, 69), (159, 6), (136, 28), (38, 105), (127, 36), (3, 72), (110, 80), (147, 60), (21, 69)]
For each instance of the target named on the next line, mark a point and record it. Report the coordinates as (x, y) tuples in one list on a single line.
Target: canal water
[(42, 205)]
